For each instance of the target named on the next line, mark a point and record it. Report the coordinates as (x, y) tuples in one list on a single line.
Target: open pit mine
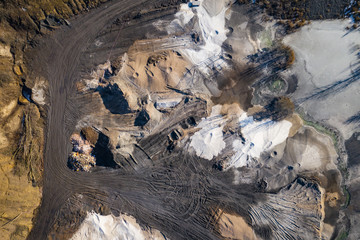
[(174, 119)]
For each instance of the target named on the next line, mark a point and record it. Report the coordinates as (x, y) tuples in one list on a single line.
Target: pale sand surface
[(326, 55)]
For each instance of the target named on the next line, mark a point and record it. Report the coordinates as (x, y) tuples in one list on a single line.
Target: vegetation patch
[(353, 11), (323, 130), (342, 236), (28, 156), (277, 85), (294, 14)]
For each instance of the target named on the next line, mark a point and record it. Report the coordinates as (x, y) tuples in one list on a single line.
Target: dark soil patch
[(236, 88), (90, 135), (353, 149)]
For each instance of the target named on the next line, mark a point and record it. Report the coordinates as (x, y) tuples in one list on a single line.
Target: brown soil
[(235, 87), (156, 70), (90, 135), (18, 201), (232, 226)]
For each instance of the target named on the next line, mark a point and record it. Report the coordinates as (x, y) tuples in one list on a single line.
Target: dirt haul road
[(177, 193)]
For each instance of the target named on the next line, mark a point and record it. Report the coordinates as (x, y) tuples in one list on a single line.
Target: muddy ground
[(174, 195)]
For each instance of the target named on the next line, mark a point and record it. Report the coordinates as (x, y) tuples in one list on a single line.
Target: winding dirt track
[(177, 200)]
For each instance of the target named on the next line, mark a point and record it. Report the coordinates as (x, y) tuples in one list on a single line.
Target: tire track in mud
[(58, 59), (175, 196)]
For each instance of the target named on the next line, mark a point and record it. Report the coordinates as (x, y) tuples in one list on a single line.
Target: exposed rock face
[(21, 142)]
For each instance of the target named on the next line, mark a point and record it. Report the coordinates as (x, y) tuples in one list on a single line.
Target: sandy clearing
[(130, 92), (296, 122), (14, 121), (123, 142), (234, 227), (156, 70), (6, 110), (312, 151)]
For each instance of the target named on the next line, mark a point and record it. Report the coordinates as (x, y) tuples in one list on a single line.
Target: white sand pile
[(259, 137), (183, 17), (211, 20), (208, 141), (98, 227)]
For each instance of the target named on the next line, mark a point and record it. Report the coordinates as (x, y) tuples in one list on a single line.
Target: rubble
[(81, 158)]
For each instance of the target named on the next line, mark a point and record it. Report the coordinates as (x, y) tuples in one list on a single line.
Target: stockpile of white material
[(212, 29), (259, 136), (184, 16), (98, 227), (208, 141)]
